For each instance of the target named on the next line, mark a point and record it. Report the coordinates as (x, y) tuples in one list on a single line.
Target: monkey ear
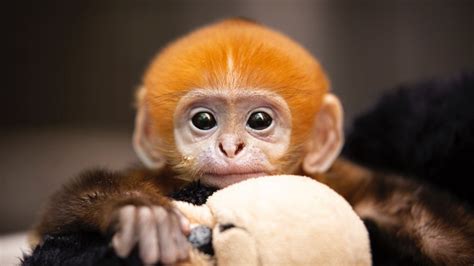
[(327, 137), (144, 142)]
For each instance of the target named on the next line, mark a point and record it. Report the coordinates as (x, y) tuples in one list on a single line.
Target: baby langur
[(234, 101), (228, 102)]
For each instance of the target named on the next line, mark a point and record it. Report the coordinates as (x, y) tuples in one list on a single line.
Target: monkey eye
[(259, 120), (203, 120)]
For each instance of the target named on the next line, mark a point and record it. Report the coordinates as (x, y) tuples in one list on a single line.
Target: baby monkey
[(230, 101)]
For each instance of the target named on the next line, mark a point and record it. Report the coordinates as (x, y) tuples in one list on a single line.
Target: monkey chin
[(224, 180)]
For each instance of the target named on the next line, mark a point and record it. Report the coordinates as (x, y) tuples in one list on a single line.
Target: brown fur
[(422, 218), (88, 202)]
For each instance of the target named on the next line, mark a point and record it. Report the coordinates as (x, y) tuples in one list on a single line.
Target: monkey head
[(236, 100)]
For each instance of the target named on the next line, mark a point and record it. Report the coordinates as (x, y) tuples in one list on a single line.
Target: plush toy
[(277, 220)]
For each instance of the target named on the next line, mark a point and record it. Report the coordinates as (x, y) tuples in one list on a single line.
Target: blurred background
[(71, 67)]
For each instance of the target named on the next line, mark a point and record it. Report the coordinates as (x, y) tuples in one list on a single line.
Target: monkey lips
[(231, 175)]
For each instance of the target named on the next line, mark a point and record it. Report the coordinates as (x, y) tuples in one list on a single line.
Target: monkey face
[(236, 100), (229, 135)]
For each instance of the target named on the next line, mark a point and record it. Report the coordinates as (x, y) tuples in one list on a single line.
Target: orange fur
[(262, 58)]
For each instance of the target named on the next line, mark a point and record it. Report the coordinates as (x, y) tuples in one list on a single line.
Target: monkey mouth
[(236, 175), (227, 178)]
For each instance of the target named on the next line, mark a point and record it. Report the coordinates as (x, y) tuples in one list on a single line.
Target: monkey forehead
[(235, 54), (255, 97)]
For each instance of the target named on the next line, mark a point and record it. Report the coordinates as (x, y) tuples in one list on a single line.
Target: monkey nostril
[(240, 147), (222, 149)]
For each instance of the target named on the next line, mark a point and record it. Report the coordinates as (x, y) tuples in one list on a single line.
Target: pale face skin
[(242, 133)]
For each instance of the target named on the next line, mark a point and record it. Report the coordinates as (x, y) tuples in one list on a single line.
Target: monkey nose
[(230, 149)]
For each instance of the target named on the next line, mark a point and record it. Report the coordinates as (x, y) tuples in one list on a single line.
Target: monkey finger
[(181, 242), (160, 215), (167, 243), (147, 235), (183, 248), (124, 239), (183, 222)]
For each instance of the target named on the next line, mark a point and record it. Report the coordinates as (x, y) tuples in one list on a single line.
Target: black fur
[(424, 130), (194, 193), (77, 249), (389, 250)]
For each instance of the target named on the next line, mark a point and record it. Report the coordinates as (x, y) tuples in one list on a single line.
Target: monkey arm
[(347, 179), (408, 221), (416, 223), (89, 201)]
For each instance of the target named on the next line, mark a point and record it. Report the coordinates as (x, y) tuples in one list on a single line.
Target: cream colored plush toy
[(280, 220)]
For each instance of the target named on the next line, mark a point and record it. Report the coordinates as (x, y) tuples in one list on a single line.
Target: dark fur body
[(409, 223), (426, 131)]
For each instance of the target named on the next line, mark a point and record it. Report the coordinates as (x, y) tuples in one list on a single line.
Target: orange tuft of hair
[(261, 58)]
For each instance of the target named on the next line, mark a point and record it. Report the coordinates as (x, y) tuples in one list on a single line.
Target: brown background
[(71, 68)]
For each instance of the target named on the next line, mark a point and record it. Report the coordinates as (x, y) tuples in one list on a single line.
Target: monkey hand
[(158, 232)]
